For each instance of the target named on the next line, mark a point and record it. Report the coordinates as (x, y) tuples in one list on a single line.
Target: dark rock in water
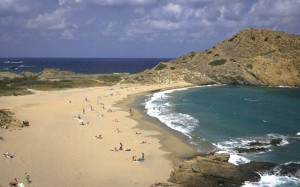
[(257, 166), (215, 170), (276, 142), (273, 142), (256, 143), (290, 170), (252, 150), (13, 67), (295, 138)]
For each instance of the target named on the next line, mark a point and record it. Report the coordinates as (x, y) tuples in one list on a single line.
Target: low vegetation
[(232, 60), (218, 62), (209, 52), (160, 66), (192, 54), (109, 78), (250, 66), (20, 86), (253, 38), (172, 68), (216, 55), (266, 39), (277, 37), (231, 39)]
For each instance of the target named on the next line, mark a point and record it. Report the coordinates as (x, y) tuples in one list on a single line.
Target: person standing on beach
[(27, 177), (83, 111), (121, 146), (143, 156)]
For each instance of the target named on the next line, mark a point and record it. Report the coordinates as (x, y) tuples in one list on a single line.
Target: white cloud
[(109, 28), (15, 6), (68, 34), (108, 2), (53, 21), (90, 21)]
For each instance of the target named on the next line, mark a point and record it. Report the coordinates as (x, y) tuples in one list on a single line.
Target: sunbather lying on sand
[(99, 136), (143, 142), (8, 155), (138, 133)]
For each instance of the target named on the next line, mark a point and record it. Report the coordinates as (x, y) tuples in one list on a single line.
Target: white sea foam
[(232, 145), (282, 86), (298, 134), (236, 159), (120, 73), (157, 106), (251, 100), (273, 180), (12, 62)]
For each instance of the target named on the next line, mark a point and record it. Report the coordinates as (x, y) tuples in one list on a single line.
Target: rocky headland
[(257, 57), (215, 170)]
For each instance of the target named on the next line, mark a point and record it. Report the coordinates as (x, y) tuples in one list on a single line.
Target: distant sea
[(80, 65), (230, 117)]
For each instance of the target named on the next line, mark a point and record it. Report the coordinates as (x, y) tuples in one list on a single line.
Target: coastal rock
[(252, 150), (7, 120), (215, 170), (251, 57), (291, 170)]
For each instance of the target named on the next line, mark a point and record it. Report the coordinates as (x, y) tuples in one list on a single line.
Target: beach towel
[(21, 185)]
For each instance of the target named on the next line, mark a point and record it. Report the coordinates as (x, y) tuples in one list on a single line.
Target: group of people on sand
[(142, 158), (15, 182)]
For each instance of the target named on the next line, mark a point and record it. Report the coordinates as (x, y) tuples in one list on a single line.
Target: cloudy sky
[(133, 28)]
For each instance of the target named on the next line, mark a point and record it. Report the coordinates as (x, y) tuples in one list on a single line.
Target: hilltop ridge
[(251, 57)]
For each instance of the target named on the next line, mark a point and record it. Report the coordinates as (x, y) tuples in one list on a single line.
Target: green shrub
[(266, 39), (232, 60), (250, 66), (277, 37), (216, 55), (253, 37), (172, 68), (209, 52), (231, 39), (183, 58), (160, 66), (192, 54), (218, 62)]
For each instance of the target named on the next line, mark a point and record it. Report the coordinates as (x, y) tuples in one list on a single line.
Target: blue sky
[(133, 28)]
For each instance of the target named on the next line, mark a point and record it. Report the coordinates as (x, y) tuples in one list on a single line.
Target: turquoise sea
[(231, 117)]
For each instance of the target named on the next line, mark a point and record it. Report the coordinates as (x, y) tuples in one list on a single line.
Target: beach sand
[(56, 151)]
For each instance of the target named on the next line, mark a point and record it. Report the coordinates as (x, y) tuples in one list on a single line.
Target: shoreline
[(167, 137)]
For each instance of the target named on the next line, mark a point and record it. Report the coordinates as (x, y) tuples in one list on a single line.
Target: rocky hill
[(250, 57)]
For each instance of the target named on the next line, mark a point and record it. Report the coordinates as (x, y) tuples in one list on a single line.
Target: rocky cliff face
[(251, 57), (215, 170)]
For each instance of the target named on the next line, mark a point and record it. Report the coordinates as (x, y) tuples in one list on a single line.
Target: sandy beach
[(57, 151)]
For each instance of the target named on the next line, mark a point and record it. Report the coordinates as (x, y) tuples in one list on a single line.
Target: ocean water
[(80, 65), (230, 117)]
